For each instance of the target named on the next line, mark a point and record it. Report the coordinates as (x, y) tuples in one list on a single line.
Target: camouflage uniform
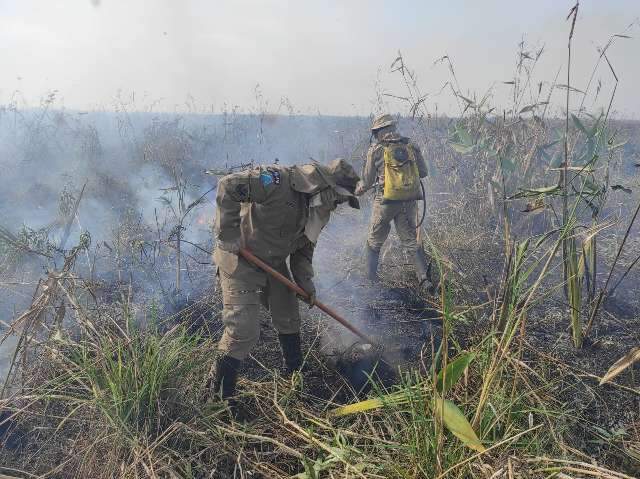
[(262, 208), (267, 210), (402, 213)]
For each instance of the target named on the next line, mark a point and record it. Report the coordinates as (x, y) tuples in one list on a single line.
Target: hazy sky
[(329, 56)]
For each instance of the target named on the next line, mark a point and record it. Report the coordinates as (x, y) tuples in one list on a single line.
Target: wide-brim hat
[(382, 122), (343, 179), (338, 174)]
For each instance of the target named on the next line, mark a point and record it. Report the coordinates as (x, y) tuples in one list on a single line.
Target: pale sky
[(325, 56)]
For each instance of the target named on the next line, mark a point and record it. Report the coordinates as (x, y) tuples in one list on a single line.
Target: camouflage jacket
[(263, 208), (374, 164)]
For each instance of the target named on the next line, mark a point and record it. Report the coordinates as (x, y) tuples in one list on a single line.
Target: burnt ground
[(602, 420)]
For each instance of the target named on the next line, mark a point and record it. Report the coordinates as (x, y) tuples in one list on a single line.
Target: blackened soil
[(403, 325), (11, 437), (605, 419)]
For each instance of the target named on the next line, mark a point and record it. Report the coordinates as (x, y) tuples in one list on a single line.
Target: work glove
[(230, 246), (310, 289), (311, 300)]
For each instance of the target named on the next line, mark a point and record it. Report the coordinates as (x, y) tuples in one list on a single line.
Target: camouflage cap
[(338, 174), (342, 178), (382, 121)]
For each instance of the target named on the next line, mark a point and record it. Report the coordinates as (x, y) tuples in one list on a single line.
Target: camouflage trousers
[(244, 289), (403, 216)]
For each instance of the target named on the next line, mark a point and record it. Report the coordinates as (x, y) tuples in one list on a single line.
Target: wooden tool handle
[(249, 256)]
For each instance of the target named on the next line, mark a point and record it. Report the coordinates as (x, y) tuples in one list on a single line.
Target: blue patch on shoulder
[(266, 178), (270, 177)]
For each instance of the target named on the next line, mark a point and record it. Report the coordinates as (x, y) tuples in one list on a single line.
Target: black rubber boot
[(226, 376), (291, 352), (423, 269), (373, 257)]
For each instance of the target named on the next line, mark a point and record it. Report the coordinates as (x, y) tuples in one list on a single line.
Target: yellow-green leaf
[(545, 190), (457, 423), (452, 417), (361, 406), (452, 373)]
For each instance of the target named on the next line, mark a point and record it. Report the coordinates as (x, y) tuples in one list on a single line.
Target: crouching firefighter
[(277, 213), (394, 167)]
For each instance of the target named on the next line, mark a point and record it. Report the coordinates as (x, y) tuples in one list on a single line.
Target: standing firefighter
[(277, 213), (394, 167)]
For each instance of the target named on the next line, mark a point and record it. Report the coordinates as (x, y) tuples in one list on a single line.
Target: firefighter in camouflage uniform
[(277, 213), (394, 168)]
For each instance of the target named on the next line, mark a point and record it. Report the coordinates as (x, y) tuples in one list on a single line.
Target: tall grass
[(119, 392)]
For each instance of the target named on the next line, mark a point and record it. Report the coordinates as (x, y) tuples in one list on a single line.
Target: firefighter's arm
[(370, 170), (422, 165), (301, 264), (233, 190)]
